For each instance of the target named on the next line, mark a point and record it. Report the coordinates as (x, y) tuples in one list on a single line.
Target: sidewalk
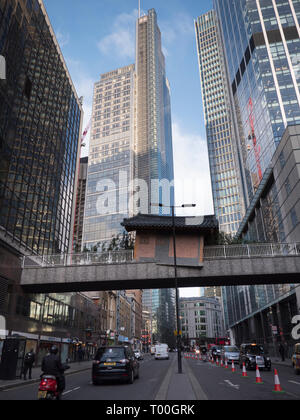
[(278, 361), (36, 372), (180, 386)]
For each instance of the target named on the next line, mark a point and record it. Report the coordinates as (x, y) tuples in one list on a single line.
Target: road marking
[(231, 384), (71, 390), (294, 382)]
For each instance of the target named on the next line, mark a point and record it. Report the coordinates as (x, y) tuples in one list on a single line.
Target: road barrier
[(258, 377)]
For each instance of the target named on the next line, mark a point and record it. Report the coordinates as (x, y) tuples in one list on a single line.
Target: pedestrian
[(29, 360), (282, 352)]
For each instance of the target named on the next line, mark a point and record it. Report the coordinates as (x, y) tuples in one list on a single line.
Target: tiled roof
[(152, 222)]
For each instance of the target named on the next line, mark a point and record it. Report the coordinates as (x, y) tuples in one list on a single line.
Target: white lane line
[(232, 385), (294, 382), (71, 390)]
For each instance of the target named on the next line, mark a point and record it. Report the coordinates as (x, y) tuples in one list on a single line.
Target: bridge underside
[(151, 275)]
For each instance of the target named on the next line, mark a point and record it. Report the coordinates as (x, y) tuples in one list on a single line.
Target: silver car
[(231, 353)]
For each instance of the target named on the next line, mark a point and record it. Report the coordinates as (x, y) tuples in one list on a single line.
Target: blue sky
[(97, 36)]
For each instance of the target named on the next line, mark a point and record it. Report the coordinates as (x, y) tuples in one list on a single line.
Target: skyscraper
[(223, 156), (153, 165), (261, 46), (110, 167)]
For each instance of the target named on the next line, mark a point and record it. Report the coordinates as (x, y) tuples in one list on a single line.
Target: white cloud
[(121, 42), (63, 39), (192, 175)]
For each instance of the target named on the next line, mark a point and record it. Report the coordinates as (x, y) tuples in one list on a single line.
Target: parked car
[(252, 355), (138, 355), (115, 362), (296, 359), (231, 353)]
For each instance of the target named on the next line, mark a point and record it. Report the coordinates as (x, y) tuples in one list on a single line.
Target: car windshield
[(231, 349), (254, 349), (113, 353)]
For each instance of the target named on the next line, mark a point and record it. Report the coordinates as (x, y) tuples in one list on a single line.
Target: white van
[(162, 351)]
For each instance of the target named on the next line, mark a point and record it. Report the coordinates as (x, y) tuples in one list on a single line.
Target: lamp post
[(178, 327)]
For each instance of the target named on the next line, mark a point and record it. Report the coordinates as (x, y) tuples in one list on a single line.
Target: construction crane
[(84, 134)]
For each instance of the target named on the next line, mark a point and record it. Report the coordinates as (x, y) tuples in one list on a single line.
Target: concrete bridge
[(221, 266)]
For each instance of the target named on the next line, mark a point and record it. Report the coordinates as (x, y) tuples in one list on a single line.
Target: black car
[(115, 362), (252, 355)]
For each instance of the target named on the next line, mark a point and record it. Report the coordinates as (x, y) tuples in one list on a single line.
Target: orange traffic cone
[(226, 364), (217, 362), (244, 375), (221, 362), (258, 377), (232, 367), (277, 387)]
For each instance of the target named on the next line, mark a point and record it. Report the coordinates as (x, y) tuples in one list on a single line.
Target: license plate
[(42, 394), (109, 364)]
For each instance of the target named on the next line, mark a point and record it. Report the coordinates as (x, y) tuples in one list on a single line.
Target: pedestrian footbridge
[(121, 270)]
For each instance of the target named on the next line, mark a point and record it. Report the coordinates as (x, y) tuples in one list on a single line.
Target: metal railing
[(251, 250), (84, 258), (127, 256)]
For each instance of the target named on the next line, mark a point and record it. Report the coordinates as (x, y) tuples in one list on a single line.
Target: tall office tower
[(153, 165), (110, 157), (40, 124), (80, 203), (261, 39), (261, 45), (223, 157)]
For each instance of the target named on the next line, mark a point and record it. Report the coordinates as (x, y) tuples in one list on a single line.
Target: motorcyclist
[(51, 365)]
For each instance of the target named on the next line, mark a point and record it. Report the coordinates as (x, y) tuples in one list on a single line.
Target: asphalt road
[(79, 385), (219, 383)]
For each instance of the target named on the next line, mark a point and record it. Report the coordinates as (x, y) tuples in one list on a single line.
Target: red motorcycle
[(48, 388)]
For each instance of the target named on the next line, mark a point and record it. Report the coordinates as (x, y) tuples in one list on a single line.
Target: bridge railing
[(251, 250), (85, 258)]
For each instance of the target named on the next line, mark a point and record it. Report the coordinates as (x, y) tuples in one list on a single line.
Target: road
[(79, 386), (216, 383), (219, 383)]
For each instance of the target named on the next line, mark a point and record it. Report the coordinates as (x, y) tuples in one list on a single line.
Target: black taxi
[(254, 355)]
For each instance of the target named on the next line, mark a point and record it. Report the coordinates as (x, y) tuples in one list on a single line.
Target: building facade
[(40, 126), (223, 156), (80, 204), (110, 167), (261, 48), (153, 150), (201, 320)]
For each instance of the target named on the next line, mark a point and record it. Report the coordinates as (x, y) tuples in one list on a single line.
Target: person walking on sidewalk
[(29, 360), (282, 352)]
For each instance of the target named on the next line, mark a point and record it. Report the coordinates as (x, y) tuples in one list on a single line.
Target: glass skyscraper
[(40, 120), (261, 47), (110, 164), (223, 157), (153, 143)]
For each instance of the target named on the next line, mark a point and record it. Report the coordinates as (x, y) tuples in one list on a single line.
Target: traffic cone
[(258, 377), (232, 367), (222, 363), (226, 364), (217, 362), (277, 387), (244, 375)]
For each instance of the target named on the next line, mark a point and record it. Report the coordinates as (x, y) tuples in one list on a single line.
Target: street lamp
[(175, 277)]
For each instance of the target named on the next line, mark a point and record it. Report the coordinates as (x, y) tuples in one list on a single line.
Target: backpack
[(29, 358)]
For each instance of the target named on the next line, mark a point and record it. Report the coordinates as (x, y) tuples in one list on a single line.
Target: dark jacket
[(29, 358), (51, 365)]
